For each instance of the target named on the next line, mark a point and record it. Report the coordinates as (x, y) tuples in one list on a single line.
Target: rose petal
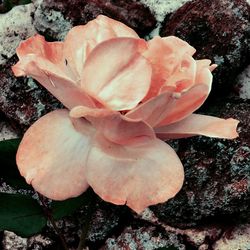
[(116, 79), (137, 175), (52, 51), (205, 63), (152, 111), (165, 55), (82, 39), (52, 155), (200, 125), (184, 104), (114, 126), (184, 76), (53, 79)]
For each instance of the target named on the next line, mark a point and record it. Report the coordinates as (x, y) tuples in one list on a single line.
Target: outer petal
[(53, 79), (114, 126), (200, 125), (166, 55), (82, 39), (184, 104), (138, 175), (52, 155), (52, 51), (116, 74)]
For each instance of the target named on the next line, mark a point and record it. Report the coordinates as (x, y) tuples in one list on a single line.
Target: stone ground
[(212, 210)]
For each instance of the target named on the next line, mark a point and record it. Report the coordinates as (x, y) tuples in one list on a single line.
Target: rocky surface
[(219, 30), (22, 100), (208, 212), (243, 84), (237, 238), (13, 242), (49, 22), (15, 26), (161, 8), (217, 174), (6, 130), (143, 237), (132, 12)]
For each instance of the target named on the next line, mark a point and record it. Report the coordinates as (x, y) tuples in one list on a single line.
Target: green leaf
[(8, 168), (21, 214), (61, 209)]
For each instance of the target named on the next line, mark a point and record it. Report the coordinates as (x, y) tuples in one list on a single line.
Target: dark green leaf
[(20, 214), (61, 209), (8, 169)]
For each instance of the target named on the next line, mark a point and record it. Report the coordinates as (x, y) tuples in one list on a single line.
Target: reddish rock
[(22, 100), (131, 12), (219, 30)]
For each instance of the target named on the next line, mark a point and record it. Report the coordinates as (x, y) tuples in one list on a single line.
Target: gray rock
[(144, 238), (13, 242), (49, 22), (15, 26), (237, 239)]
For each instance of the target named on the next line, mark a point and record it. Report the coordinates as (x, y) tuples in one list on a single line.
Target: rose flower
[(123, 96)]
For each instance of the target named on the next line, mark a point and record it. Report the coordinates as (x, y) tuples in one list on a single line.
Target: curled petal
[(184, 76), (52, 51), (80, 40), (116, 74), (114, 126), (53, 79), (199, 125), (184, 104), (53, 153), (137, 175), (166, 56)]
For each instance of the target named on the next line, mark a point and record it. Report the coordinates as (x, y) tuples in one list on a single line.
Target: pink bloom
[(123, 95)]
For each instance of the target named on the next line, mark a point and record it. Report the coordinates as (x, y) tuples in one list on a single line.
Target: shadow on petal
[(114, 126)]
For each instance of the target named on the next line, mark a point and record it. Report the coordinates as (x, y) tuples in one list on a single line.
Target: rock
[(13, 242), (219, 30), (6, 130), (132, 12), (161, 8), (105, 220), (22, 100), (15, 26), (217, 174), (236, 239), (49, 22), (143, 237), (39, 242), (6, 5), (243, 84)]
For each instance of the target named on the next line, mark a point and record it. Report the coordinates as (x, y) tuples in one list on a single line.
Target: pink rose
[(122, 96)]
